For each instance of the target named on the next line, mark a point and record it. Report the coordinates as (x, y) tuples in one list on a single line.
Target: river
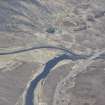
[(29, 99)]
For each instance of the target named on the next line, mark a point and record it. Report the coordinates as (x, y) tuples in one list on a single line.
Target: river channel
[(67, 55)]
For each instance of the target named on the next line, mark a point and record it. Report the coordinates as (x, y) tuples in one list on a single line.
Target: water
[(49, 65), (29, 100)]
